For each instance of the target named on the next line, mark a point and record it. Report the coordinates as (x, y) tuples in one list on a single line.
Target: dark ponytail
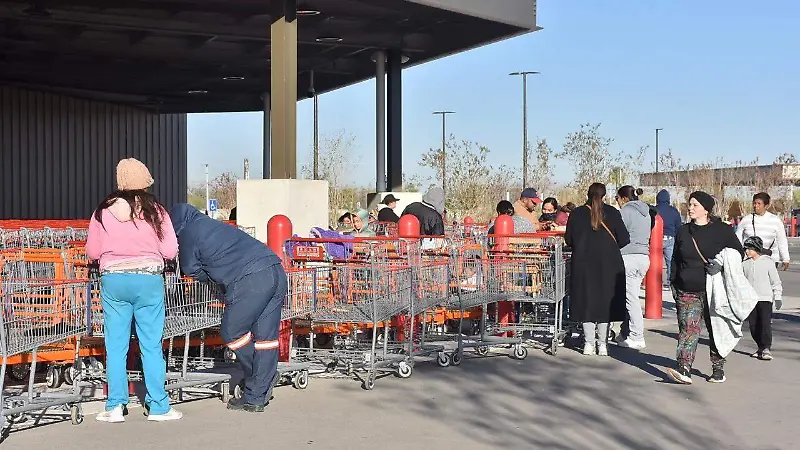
[(597, 192), (628, 192)]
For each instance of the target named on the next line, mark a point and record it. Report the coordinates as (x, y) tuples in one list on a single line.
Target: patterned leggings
[(692, 308)]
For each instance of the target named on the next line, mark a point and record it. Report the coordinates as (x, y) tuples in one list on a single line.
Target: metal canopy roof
[(213, 55)]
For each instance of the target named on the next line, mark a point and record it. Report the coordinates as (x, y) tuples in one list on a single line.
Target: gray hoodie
[(636, 215)]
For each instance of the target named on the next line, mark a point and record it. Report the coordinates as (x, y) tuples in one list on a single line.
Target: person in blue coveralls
[(255, 286)]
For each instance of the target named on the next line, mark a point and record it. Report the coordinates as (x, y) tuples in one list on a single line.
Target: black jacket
[(688, 268), (387, 215), (213, 250), (430, 221)]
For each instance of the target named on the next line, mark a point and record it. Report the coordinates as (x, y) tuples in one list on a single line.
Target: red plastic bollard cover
[(654, 282), (408, 226), (279, 230), (469, 220)]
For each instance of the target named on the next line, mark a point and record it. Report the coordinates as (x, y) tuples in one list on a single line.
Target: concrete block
[(403, 199), (305, 202)]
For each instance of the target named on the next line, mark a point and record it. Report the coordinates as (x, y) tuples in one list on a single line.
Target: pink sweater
[(132, 243)]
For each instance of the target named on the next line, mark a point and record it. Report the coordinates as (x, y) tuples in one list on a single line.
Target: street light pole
[(657, 173), (208, 197), (524, 76), (444, 148)]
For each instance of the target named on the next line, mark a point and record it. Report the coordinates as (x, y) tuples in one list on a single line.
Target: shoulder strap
[(753, 217), (605, 226), (705, 261)]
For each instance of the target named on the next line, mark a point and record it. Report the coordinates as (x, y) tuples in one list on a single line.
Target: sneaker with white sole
[(631, 343), (172, 414), (113, 415), (756, 354), (681, 375), (589, 349), (718, 376), (602, 350), (766, 355)]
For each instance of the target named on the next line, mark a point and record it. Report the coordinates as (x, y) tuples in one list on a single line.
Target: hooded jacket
[(429, 212), (636, 215), (121, 242), (670, 215), (210, 250)]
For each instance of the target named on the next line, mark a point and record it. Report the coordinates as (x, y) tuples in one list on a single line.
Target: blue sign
[(212, 205)]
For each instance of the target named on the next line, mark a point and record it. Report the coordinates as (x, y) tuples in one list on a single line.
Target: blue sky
[(720, 77)]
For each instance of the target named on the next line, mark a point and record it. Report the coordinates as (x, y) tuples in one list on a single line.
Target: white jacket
[(770, 229), (731, 298)]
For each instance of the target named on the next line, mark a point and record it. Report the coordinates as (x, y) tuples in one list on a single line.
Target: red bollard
[(469, 222), (794, 227), (654, 283), (279, 230), (504, 226), (408, 227)]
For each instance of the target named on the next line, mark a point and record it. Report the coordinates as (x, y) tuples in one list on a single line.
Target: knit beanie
[(754, 243), (132, 175), (704, 199)]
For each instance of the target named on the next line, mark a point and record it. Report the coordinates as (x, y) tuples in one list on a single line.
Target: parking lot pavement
[(564, 402)]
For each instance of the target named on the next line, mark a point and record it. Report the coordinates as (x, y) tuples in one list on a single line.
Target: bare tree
[(473, 185), (336, 166), (223, 188), (542, 175), (589, 154)]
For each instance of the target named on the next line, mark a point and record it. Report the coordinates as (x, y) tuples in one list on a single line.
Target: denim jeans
[(127, 296), (669, 248)]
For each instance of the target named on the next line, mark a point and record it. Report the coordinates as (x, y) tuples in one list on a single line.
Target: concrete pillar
[(395, 122), (380, 121), (283, 55), (267, 163)]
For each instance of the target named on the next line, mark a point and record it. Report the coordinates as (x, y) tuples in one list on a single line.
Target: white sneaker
[(631, 343), (115, 415), (588, 349), (602, 350), (172, 414)]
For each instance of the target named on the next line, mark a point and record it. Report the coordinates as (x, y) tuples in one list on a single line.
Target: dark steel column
[(394, 154)]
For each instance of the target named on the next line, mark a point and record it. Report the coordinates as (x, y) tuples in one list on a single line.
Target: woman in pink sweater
[(131, 235)]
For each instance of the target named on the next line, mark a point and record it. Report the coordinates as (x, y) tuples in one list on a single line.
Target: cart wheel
[(54, 377), (520, 352), (68, 374), (19, 372), (238, 390), (455, 358), (404, 369), (76, 414), (482, 350), (369, 383), (300, 380), (612, 335), (175, 395), (443, 359), (228, 355), (225, 391), (554, 347)]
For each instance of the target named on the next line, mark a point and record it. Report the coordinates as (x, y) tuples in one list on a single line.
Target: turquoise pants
[(125, 297)]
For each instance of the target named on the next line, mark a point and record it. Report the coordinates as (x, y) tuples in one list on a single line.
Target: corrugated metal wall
[(59, 153)]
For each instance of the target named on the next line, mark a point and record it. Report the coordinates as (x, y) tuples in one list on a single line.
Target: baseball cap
[(389, 199), (531, 194)]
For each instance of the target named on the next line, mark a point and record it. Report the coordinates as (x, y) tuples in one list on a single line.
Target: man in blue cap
[(525, 207)]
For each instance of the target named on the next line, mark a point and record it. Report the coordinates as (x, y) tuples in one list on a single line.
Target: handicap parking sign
[(212, 205)]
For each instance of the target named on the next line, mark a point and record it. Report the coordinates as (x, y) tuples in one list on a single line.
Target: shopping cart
[(34, 315)]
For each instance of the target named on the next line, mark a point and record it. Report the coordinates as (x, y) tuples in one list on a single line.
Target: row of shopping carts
[(381, 304), (355, 308)]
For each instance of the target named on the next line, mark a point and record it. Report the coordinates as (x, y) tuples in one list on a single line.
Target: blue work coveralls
[(255, 287)]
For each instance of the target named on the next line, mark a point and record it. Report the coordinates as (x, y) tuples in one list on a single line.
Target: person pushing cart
[(255, 286)]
